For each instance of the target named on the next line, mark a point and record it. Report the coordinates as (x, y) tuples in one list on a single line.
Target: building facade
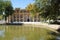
[(22, 15)]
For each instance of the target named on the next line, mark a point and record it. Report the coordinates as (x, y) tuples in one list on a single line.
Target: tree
[(1, 6), (41, 7), (8, 11), (54, 10), (33, 9), (51, 9), (6, 6)]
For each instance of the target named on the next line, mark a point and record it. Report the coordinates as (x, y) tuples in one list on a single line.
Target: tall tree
[(1, 6), (33, 9), (50, 9), (8, 11), (6, 7)]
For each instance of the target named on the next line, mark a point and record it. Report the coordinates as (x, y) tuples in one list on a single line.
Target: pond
[(58, 38), (42, 38), (19, 38), (2, 33), (24, 32)]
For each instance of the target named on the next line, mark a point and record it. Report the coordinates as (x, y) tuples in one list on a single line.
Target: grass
[(30, 33)]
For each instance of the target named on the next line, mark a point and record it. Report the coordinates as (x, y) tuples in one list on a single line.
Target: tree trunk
[(33, 19)]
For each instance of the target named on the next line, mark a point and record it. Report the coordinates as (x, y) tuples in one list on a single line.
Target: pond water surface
[(2, 33), (19, 38), (13, 32)]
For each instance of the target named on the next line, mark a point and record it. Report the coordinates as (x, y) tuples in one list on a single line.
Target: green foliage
[(49, 8), (8, 10), (1, 6), (6, 6), (32, 8)]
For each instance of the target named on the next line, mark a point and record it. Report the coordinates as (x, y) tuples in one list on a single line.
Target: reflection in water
[(2, 32), (57, 35), (58, 38), (20, 38), (14, 33), (41, 38)]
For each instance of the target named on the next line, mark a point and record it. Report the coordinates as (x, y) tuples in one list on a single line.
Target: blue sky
[(21, 3)]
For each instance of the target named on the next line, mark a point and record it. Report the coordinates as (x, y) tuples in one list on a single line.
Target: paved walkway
[(51, 27)]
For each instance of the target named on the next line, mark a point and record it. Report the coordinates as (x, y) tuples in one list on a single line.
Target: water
[(2, 33), (13, 32), (19, 38), (57, 38), (41, 38)]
